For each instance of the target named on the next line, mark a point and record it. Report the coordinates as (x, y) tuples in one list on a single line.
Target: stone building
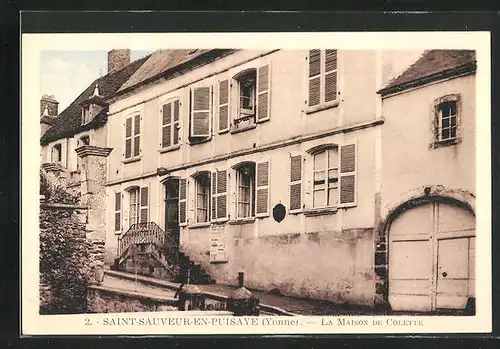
[(73, 142), (426, 247), (289, 166)]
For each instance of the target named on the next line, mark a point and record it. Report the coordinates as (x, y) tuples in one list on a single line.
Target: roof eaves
[(171, 72), (464, 69)]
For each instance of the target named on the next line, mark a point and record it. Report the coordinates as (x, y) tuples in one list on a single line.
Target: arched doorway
[(172, 208), (432, 257)]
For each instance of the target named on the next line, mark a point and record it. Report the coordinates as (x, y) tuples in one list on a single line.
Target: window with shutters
[(245, 190), (252, 91), (132, 137), (246, 91), (118, 208), (201, 114), (325, 178), (446, 120), (134, 207), (333, 178), (202, 199), (170, 125), (56, 156), (322, 79)]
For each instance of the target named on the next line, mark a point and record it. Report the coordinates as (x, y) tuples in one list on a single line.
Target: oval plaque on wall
[(279, 212)]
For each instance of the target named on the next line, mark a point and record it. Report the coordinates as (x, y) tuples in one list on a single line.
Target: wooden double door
[(432, 258)]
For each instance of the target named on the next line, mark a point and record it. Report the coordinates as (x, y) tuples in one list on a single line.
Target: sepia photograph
[(323, 185)]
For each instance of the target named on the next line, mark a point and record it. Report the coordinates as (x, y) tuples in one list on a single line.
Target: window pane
[(332, 196), (446, 122), (319, 161), (332, 158), (445, 133), (319, 177), (319, 198), (453, 121), (453, 108), (453, 132), (137, 140), (332, 175)]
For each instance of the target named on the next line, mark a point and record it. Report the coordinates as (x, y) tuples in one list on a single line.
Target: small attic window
[(86, 115)]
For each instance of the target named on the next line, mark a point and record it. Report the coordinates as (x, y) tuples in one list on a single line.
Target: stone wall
[(100, 300), (333, 266), (69, 261)]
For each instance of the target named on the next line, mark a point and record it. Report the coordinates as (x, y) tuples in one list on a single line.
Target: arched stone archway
[(425, 251)]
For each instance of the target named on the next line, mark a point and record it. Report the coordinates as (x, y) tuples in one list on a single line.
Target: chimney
[(49, 106), (118, 59)]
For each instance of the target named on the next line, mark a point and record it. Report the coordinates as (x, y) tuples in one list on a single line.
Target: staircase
[(145, 249)]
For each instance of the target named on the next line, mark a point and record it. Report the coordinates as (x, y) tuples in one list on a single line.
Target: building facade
[(426, 251), (261, 162)]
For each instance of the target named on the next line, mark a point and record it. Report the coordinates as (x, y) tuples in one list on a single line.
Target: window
[(325, 178), (333, 177), (202, 197), (322, 77), (132, 136), (245, 112), (86, 115), (245, 191), (85, 140), (57, 154), (447, 116), (134, 206), (170, 124)]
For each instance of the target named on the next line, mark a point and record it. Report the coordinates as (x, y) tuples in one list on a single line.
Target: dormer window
[(57, 154), (246, 91), (86, 115)]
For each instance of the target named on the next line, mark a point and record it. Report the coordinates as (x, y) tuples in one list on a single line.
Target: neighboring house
[(262, 162), (73, 142), (426, 248)]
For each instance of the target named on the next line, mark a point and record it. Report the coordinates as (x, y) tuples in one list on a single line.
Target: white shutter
[(262, 183), (263, 93), (166, 134), (182, 201), (348, 174), (201, 109), (314, 96), (221, 193), (118, 209), (144, 205), (224, 105), (213, 197), (331, 75), (295, 183)]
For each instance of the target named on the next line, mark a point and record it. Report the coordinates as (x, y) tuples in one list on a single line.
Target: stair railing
[(143, 233)]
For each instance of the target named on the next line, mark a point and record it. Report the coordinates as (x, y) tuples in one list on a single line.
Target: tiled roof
[(159, 62), (431, 66), (68, 122)]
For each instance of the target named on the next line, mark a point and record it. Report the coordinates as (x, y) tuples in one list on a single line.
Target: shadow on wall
[(329, 266)]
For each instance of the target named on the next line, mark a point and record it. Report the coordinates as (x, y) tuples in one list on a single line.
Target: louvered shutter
[(224, 105), (118, 208), (176, 124), (262, 189), (200, 111), (213, 204), (330, 75), (264, 93), (348, 154), (295, 182), (144, 213), (182, 201), (314, 77), (167, 126), (128, 138), (137, 135), (221, 209)]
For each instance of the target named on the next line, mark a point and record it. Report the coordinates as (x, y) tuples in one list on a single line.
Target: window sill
[(324, 106), (320, 211), (199, 225), (448, 142), (238, 130), (169, 149), (241, 221), (134, 159)]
